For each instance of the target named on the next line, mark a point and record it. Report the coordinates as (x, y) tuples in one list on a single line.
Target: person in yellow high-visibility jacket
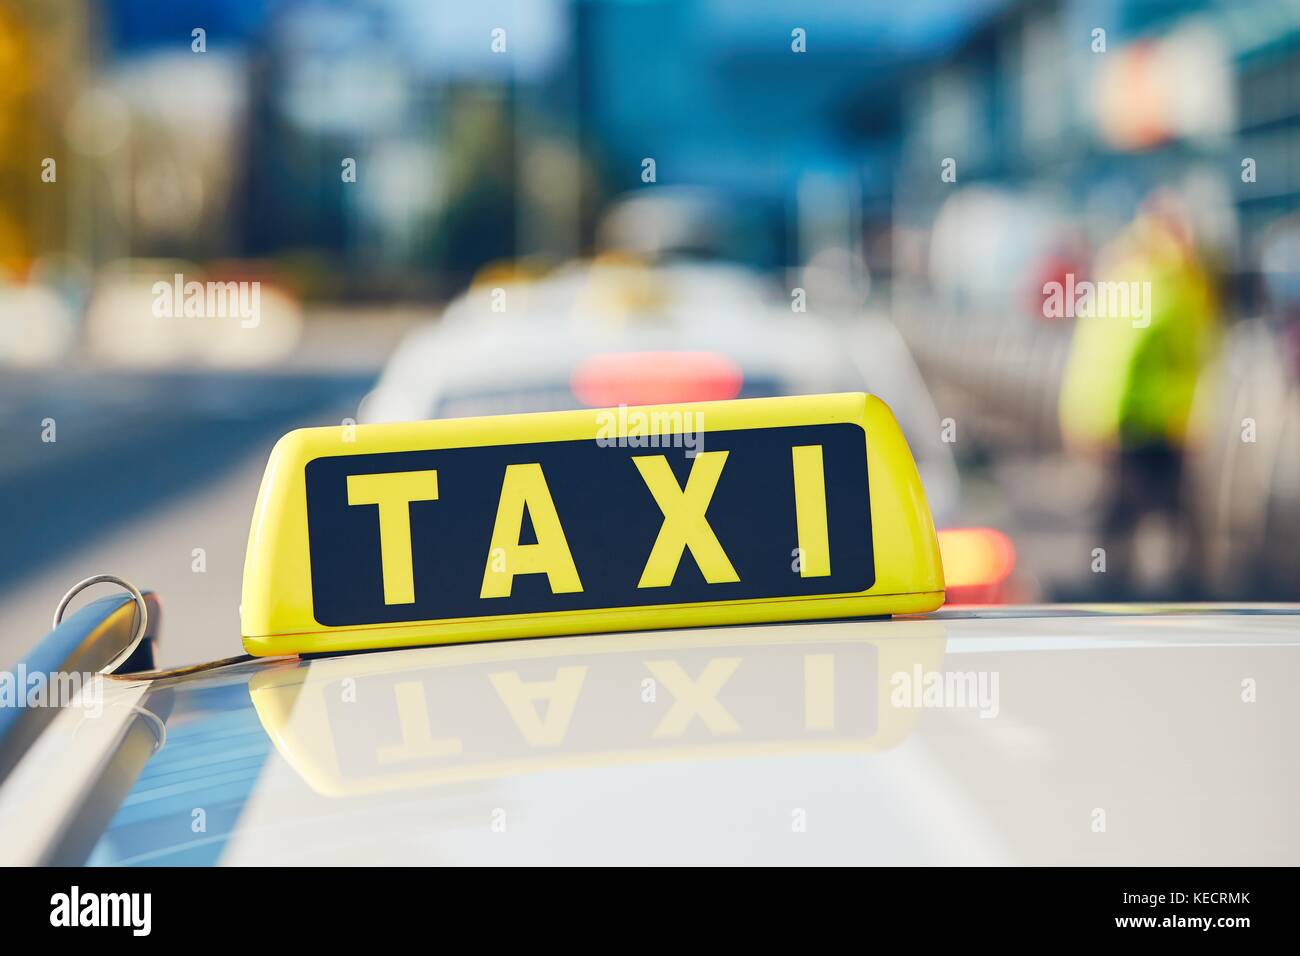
[(1145, 332)]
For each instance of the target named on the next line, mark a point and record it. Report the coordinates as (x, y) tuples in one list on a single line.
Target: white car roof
[(1038, 735)]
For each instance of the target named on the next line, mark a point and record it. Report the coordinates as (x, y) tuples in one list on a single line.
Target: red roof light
[(655, 378)]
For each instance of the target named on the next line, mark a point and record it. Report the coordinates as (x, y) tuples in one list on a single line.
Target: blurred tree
[(43, 54), (477, 224)]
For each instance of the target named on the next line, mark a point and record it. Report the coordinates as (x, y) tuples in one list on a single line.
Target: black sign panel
[(610, 518)]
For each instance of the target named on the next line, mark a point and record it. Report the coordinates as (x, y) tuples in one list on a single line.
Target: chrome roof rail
[(113, 635)]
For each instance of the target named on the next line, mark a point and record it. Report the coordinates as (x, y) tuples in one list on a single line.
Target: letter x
[(684, 523), (692, 698)]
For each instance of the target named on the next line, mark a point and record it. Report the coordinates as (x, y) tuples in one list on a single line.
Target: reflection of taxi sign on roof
[(443, 715), (597, 520)]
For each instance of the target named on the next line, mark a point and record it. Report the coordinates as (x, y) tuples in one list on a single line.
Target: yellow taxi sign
[(598, 520)]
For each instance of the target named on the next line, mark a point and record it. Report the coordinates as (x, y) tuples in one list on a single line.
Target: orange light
[(975, 557), (654, 378)]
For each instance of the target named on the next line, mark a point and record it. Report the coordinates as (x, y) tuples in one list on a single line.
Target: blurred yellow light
[(974, 556)]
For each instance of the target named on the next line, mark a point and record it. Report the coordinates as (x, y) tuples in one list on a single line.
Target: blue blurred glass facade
[(420, 93)]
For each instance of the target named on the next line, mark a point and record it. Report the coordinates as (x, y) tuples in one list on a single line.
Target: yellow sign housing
[(591, 521)]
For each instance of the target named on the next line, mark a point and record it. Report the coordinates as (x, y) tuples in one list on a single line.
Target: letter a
[(525, 487)]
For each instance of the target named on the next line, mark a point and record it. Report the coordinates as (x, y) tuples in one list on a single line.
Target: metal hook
[(141, 607)]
